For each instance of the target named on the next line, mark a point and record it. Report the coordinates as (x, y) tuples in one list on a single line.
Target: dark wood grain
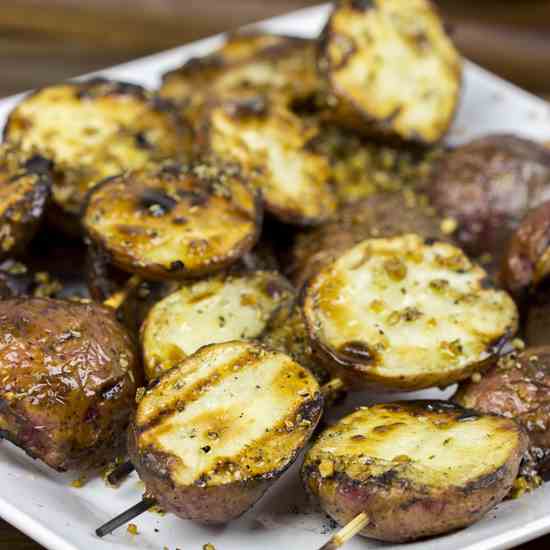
[(43, 42)]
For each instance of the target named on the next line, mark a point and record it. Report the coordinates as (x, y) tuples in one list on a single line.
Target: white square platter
[(42, 503)]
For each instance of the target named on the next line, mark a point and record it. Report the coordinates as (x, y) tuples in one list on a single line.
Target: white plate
[(42, 504)]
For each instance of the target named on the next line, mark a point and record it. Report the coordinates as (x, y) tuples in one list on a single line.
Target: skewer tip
[(142, 506), (349, 530)]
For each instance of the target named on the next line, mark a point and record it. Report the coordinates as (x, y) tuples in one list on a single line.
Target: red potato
[(68, 377), (527, 260), (517, 387), (487, 186)]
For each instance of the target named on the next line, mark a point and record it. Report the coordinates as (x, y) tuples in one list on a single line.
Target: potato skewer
[(208, 462)]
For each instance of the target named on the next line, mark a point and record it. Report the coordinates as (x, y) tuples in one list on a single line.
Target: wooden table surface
[(45, 41)]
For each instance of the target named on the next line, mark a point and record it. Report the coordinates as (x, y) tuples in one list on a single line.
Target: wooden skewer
[(137, 509), (120, 472), (347, 532), (332, 386), (116, 300)]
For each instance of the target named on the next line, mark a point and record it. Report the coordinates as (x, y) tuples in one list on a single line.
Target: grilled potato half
[(218, 309), (281, 66), (92, 130), (272, 145), (174, 222), (211, 435), (68, 378), (390, 67), (25, 182), (417, 469), (406, 313)]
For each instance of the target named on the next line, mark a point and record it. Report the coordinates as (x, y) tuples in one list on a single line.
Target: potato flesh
[(436, 449), (412, 308), (93, 138), (207, 312), (394, 61), (237, 416), (272, 148)]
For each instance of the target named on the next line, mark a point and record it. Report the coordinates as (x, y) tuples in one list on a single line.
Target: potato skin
[(371, 217), (518, 387), (527, 260), (69, 374), (25, 183), (401, 510), (537, 318), (487, 186)]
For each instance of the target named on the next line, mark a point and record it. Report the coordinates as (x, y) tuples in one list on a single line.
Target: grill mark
[(309, 410), (203, 296), (192, 393)]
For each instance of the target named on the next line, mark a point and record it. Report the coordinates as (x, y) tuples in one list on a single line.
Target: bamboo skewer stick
[(347, 532), (332, 386), (116, 300)]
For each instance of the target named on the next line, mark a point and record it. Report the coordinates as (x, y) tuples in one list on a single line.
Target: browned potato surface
[(405, 313), (487, 186), (211, 435), (68, 373), (225, 307), (92, 130), (375, 216), (280, 66), (417, 469), (517, 387), (390, 68), (175, 222), (273, 147), (25, 181), (527, 260)]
